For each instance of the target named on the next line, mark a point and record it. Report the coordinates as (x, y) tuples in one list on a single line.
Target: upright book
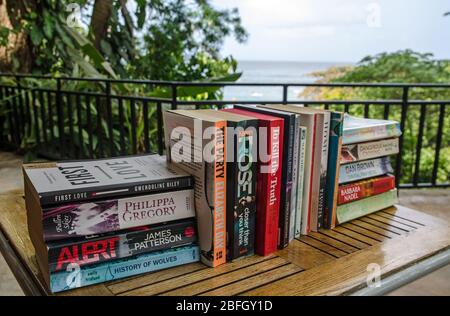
[(334, 158), (286, 172), (270, 155), (300, 181), (241, 184), (196, 143), (318, 122), (357, 129)]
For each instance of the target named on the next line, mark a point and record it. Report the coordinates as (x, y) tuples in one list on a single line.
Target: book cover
[(241, 184), (313, 120), (347, 212), (325, 142), (300, 183), (75, 277), (336, 129), (358, 190), (286, 172), (270, 148), (106, 247), (96, 217), (85, 180), (295, 174), (196, 143), (358, 129), (364, 169), (369, 150)]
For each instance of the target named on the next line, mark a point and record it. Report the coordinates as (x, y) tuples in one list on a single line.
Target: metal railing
[(63, 118)]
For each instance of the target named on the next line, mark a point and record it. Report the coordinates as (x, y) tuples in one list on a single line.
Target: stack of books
[(98, 220), (267, 174), (365, 182)]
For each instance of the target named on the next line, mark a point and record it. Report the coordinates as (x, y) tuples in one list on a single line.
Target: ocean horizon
[(274, 72)]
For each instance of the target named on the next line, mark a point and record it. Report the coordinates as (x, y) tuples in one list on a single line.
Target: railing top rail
[(218, 83)]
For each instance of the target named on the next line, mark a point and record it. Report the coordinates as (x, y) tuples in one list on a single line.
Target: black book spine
[(106, 247), (241, 188), (117, 190)]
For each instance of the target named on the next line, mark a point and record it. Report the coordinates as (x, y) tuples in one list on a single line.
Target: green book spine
[(349, 211)]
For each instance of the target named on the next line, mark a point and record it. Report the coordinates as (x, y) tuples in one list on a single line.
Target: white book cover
[(323, 166), (295, 160), (301, 178)]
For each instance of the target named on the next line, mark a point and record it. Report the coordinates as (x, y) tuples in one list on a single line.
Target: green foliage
[(160, 40), (400, 67)]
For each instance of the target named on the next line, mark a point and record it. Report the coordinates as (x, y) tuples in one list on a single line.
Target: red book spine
[(359, 190), (268, 189)]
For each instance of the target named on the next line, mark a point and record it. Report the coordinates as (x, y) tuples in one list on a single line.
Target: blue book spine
[(75, 277), (364, 169), (334, 154)]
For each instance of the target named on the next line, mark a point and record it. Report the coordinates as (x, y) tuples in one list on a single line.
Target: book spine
[(268, 192), (96, 193), (125, 244), (352, 210), (84, 219), (370, 133), (359, 190), (241, 204), (295, 160), (364, 169), (336, 130), (218, 253), (323, 169), (306, 225), (301, 179), (285, 208), (75, 277), (369, 150)]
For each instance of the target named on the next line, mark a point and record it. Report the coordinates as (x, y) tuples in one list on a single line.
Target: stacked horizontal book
[(97, 220), (365, 182)]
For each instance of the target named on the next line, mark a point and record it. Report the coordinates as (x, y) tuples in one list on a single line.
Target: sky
[(338, 30)]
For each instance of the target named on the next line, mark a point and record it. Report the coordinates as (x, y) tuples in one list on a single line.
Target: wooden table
[(330, 262)]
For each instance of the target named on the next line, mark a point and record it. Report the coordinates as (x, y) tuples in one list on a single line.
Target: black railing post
[(60, 117), (174, 96), (437, 151), (404, 108), (285, 94), (110, 119)]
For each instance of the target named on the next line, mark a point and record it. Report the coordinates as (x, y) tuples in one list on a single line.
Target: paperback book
[(364, 169), (101, 248), (347, 212), (358, 129), (97, 217), (369, 150), (241, 184), (270, 131), (75, 277), (358, 190), (184, 131), (87, 180), (336, 130), (286, 172), (301, 178)]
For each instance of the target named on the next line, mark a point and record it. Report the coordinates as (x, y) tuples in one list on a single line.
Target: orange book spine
[(220, 194)]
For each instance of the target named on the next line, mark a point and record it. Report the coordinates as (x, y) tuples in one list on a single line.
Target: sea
[(274, 72)]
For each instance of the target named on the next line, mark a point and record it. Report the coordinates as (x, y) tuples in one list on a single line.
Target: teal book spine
[(334, 157), (349, 211), (75, 277)]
